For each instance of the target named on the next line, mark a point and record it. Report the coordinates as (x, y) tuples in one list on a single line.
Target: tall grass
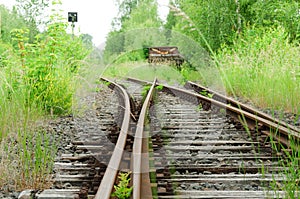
[(15, 110), (36, 80), (26, 155), (27, 161), (291, 171), (264, 67)]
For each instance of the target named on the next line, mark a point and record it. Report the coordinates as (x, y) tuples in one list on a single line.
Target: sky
[(94, 16)]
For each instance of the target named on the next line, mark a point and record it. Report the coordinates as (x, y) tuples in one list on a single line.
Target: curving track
[(205, 151), (177, 144)]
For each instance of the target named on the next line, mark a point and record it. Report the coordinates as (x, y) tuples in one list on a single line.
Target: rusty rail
[(141, 180), (107, 183), (248, 116), (222, 98), (280, 133), (140, 158)]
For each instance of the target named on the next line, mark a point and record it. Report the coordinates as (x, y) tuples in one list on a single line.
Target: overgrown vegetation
[(30, 157), (290, 173), (38, 72), (250, 48), (239, 45), (264, 67)]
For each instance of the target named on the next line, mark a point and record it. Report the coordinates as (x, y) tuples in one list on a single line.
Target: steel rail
[(280, 133), (140, 160), (272, 128), (232, 102), (108, 180)]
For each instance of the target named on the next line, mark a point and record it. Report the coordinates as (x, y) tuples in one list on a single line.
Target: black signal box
[(72, 17)]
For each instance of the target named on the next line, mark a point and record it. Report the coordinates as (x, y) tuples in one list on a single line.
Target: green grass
[(289, 161), (15, 111), (264, 68), (27, 161), (123, 189), (36, 80), (145, 71), (26, 154), (142, 70)]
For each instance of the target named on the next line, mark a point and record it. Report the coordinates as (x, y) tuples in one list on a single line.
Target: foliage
[(283, 13), (265, 60), (140, 28), (39, 76), (125, 9), (49, 66), (10, 20), (206, 94), (122, 191), (215, 23), (33, 12), (291, 172), (145, 91), (214, 20), (114, 45), (159, 87), (36, 78)]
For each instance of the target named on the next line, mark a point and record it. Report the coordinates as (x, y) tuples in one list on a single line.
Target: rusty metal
[(141, 180), (246, 115), (165, 54), (140, 158), (249, 117), (193, 170), (107, 183), (278, 132), (232, 102)]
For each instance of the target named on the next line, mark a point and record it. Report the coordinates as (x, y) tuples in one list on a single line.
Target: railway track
[(177, 144), (206, 155)]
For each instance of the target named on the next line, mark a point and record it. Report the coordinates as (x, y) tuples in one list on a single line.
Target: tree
[(143, 27), (33, 11), (215, 20), (221, 22), (125, 9), (9, 21), (140, 28), (87, 39), (277, 13), (114, 45)]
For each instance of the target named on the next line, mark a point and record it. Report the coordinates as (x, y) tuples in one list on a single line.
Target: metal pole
[(73, 26)]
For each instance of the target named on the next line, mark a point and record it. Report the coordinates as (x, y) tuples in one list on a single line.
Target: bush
[(49, 66)]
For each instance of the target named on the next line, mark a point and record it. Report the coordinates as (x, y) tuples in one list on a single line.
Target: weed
[(31, 158), (107, 84), (159, 87), (145, 91), (122, 191), (263, 68), (35, 79), (206, 94), (199, 107), (290, 163)]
